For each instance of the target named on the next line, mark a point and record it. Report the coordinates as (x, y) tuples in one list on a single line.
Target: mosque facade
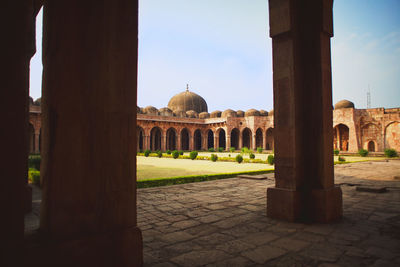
[(186, 124)]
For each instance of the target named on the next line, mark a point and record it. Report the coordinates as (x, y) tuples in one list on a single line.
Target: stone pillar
[(146, 142), (216, 142), (253, 142), (37, 148), (163, 142), (264, 143), (228, 142), (18, 46), (88, 211), (240, 141), (204, 143), (304, 189), (191, 142), (179, 143)]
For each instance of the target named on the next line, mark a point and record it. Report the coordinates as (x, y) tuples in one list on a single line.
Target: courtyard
[(224, 223)]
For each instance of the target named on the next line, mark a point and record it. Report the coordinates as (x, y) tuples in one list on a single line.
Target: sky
[(222, 49)]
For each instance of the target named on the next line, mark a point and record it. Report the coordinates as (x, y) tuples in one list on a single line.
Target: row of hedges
[(193, 178)]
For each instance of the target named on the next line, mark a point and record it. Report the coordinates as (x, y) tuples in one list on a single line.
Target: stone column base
[(121, 247), (322, 205)]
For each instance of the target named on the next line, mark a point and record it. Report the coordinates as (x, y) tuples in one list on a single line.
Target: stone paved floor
[(224, 223)]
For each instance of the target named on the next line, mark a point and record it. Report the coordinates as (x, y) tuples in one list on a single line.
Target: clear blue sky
[(223, 50)]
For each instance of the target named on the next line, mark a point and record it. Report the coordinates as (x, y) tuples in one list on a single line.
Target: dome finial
[(187, 87)]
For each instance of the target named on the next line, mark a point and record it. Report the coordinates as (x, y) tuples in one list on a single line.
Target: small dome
[(252, 112), (192, 114), (240, 113), (228, 113), (204, 115), (216, 114), (188, 101), (263, 112), (180, 114), (166, 112), (271, 112), (344, 104), (150, 110), (38, 102)]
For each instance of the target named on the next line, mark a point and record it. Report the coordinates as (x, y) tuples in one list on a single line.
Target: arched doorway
[(171, 139), (341, 137), (197, 139), (392, 136), (246, 137), (235, 138), (185, 139), (31, 139), (371, 146), (210, 139), (140, 135), (222, 138), (259, 138), (155, 139), (270, 139)]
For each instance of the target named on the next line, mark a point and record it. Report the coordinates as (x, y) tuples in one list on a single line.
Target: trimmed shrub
[(214, 157), (220, 149), (159, 153), (271, 159), (34, 176), (193, 155), (259, 149), (34, 162), (232, 149), (252, 156), (336, 152), (181, 152), (211, 149), (341, 159), (390, 153), (146, 153), (363, 152), (169, 152), (239, 158), (175, 154), (245, 150)]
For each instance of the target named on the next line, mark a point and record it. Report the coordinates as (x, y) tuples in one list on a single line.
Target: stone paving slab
[(224, 223)]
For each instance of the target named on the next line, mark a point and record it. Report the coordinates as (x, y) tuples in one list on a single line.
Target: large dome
[(344, 104), (186, 101)]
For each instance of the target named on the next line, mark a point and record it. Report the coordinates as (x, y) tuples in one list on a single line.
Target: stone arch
[(370, 132), (197, 139), (269, 139), (371, 146), (392, 135), (259, 138), (235, 133), (155, 139), (221, 138), (171, 139), (210, 139), (185, 139), (246, 138), (341, 137), (31, 138), (140, 138)]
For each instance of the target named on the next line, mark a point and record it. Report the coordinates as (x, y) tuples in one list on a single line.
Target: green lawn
[(153, 167)]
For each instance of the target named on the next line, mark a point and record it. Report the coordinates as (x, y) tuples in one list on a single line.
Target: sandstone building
[(186, 124)]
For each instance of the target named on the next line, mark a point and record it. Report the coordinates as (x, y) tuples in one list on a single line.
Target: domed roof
[(240, 113), (344, 104), (180, 113), (252, 112), (192, 114), (228, 113), (186, 101), (204, 115), (216, 114), (150, 110), (166, 112), (263, 112)]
